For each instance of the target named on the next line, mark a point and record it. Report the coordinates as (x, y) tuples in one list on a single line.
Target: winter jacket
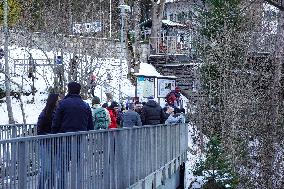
[(152, 113), (113, 118), (72, 114), (177, 118), (43, 126), (131, 118)]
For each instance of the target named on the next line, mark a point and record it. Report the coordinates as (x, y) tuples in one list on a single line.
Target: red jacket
[(113, 117)]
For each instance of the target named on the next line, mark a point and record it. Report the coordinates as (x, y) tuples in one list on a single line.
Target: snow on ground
[(193, 155), (45, 80)]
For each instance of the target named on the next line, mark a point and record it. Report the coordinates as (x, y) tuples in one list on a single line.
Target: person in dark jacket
[(72, 113), (131, 118), (152, 113), (45, 118), (44, 127)]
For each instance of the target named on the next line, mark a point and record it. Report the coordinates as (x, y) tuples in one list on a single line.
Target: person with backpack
[(101, 117), (173, 97)]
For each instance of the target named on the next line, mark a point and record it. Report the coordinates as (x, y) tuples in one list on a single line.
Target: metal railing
[(115, 158), (170, 45), (17, 130)]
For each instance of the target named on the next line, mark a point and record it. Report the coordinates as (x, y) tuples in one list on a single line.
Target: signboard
[(145, 86), (165, 85)]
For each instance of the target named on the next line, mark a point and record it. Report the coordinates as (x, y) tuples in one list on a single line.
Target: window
[(171, 17)]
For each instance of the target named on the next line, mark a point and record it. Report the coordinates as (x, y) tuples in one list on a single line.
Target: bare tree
[(157, 16)]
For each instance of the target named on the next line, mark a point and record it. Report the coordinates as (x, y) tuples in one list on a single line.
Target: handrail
[(111, 158), (17, 130)]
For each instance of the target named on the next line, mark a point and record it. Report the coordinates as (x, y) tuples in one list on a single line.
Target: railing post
[(14, 131), (22, 174), (73, 161), (106, 162)]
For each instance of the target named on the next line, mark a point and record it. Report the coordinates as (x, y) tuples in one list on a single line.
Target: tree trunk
[(7, 69), (157, 16)]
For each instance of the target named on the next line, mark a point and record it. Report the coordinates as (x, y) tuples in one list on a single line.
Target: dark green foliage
[(216, 168), (210, 82), (220, 16)]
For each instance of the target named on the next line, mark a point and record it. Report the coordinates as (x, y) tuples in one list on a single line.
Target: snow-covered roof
[(150, 70), (171, 23)]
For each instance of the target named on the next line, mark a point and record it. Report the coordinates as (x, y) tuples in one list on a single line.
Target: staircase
[(176, 59)]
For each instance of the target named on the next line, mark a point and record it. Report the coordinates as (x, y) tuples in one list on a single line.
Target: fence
[(115, 159), (171, 45), (17, 130)]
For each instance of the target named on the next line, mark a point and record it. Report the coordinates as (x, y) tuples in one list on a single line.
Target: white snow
[(171, 23), (148, 70), (45, 80), (193, 155)]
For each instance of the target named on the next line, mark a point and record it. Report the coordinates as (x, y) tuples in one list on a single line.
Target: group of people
[(72, 114)]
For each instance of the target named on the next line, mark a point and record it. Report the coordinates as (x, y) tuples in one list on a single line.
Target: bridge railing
[(115, 158), (17, 130)]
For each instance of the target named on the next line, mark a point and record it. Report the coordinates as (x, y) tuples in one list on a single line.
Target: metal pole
[(121, 52), (7, 69)]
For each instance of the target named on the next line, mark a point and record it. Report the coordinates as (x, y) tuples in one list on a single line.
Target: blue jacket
[(71, 115), (131, 118)]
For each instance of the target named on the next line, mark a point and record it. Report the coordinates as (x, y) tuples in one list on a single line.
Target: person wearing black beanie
[(72, 114), (74, 88)]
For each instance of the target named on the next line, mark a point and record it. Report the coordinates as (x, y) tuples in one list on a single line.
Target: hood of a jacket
[(151, 103)]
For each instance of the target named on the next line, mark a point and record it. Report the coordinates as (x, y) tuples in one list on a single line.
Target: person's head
[(114, 105), (177, 89), (131, 106), (51, 103), (74, 87), (138, 106), (96, 101)]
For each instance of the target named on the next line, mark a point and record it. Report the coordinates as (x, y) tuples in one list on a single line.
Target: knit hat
[(177, 89), (150, 98), (74, 88), (113, 104), (96, 100)]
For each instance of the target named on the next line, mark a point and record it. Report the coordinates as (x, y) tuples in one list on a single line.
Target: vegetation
[(14, 12), (216, 168)]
